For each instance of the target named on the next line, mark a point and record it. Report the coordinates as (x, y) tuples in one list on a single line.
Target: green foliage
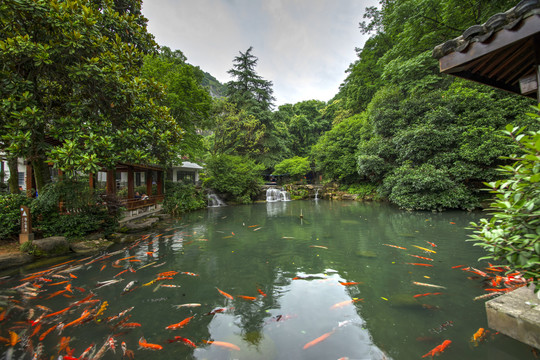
[(71, 76), (296, 167), (181, 198), (29, 248), (83, 211), (334, 153), (10, 215), (512, 233), (426, 188), (364, 190), (238, 177)]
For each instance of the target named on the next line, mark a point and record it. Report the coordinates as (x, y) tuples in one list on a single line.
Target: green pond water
[(297, 263)]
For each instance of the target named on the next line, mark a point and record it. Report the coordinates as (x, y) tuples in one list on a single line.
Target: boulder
[(52, 246), (90, 246), (141, 225), (14, 260)]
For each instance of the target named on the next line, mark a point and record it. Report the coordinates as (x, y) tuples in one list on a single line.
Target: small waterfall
[(273, 195), (215, 201), (317, 194)]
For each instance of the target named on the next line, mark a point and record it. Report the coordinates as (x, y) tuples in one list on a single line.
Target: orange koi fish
[(103, 267), (421, 257), (479, 335), (228, 296), (59, 283), (168, 273), (251, 298), (181, 324), (432, 244), (120, 273), (145, 345), (344, 303), (68, 288), (395, 246), (55, 294), (418, 264), (42, 336), (438, 349), (250, 226), (261, 292), (215, 311), (13, 338), (349, 283), (499, 290), (427, 294), (36, 330), (224, 344), (319, 339), (72, 276), (131, 325), (184, 340), (457, 266)]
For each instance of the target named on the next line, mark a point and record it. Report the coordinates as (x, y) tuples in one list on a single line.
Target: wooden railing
[(134, 205)]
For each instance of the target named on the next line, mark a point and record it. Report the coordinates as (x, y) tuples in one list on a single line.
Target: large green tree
[(188, 101), (70, 85)]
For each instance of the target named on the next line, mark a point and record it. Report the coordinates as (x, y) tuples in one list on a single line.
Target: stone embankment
[(309, 191)]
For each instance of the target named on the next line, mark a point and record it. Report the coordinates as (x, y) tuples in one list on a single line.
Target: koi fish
[(251, 298), (228, 296), (438, 349), (169, 285), (13, 338), (145, 345), (479, 335), (250, 226), (107, 282), (47, 332), (423, 248), (87, 351), (189, 273), (344, 303), (215, 311), (349, 283), (319, 339), (103, 267), (421, 257), (457, 266), (395, 246), (187, 305), (427, 294), (261, 292), (131, 325), (183, 340), (418, 264), (432, 244), (428, 285), (319, 246), (129, 287), (224, 344), (181, 324), (124, 348)]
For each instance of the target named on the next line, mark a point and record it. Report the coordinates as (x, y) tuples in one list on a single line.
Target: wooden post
[(26, 226), (28, 179), (130, 184), (91, 181), (149, 182), (111, 182), (159, 182)]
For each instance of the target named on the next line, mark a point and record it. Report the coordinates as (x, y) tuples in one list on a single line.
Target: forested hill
[(213, 85)]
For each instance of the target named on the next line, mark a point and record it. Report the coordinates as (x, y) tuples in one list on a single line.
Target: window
[(21, 179), (137, 179), (185, 176)]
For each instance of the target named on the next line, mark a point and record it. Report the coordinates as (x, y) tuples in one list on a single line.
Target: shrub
[(10, 215), (238, 177), (295, 167), (426, 188), (83, 212), (181, 198), (512, 233)]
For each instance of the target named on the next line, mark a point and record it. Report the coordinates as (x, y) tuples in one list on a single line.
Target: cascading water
[(273, 195), (215, 201), (316, 194)]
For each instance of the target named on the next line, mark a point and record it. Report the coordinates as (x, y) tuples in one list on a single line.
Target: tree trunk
[(13, 181), (41, 174)]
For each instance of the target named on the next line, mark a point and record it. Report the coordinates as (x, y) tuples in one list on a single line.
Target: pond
[(282, 280)]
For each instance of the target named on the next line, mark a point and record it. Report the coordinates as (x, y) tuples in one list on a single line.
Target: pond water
[(271, 284)]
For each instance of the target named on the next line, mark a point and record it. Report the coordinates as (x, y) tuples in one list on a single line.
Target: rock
[(14, 259), (90, 246), (141, 226), (52, 246)]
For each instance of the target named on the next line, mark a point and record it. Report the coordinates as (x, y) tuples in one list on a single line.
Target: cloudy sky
[(303, 46)]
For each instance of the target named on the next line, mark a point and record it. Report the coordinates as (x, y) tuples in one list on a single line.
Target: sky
[(303, 46)]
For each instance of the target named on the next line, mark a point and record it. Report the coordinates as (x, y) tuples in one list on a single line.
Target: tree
[(188, 101), (249, 90), (71, 89), (295, 167)]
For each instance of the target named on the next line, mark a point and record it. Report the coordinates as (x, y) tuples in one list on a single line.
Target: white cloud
[(303, 46)]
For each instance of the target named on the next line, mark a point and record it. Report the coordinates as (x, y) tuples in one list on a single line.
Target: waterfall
[(317, 194), (215, 201), (273, 195)]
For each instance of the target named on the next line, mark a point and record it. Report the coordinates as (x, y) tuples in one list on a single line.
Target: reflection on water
[(282, 280)]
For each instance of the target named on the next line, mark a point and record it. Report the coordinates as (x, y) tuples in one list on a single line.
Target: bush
[(295, 167), (238, 177), (10, 215), (363, 190), (512, 234), (181, 198), (83, 212), (426, 188)]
